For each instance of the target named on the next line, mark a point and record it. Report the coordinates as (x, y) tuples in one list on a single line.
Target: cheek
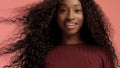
[(60, 19), (80, 19)]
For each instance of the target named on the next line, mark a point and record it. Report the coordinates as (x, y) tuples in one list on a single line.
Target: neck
[(71, 39)]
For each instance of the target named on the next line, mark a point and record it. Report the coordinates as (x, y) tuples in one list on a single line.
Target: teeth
[(70, 25)]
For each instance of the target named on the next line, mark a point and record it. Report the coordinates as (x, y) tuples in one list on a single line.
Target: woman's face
[(70, 16)]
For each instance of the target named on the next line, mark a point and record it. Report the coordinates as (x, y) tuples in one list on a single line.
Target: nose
[(70, 16)]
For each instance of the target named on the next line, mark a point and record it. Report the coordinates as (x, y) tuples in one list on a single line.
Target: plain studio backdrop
[(7, 9)]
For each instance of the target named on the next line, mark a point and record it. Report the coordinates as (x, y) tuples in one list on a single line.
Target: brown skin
[(70, 13)]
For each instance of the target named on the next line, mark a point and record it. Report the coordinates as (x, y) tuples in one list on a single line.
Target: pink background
[(111, 9)]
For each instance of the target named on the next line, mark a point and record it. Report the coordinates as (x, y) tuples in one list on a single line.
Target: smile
[(70, 25)]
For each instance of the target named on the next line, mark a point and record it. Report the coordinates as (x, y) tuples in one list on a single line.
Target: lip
[(70, 25), (71, 22)]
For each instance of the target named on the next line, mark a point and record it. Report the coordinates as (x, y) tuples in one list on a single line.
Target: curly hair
[(42, 33)]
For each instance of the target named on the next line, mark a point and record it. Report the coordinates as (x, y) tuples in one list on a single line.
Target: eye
[(78, 10), (62, 10)]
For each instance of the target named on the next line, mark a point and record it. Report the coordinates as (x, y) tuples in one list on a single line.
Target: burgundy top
[(78, 56)]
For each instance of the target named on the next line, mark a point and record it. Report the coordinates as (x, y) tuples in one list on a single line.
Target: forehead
[(70, 2)]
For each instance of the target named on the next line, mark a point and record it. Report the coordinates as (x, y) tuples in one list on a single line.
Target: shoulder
[(105, 56), (96, 50), (84, 49), (100, 51)]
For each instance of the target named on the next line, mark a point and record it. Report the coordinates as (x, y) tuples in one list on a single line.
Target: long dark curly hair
[(42, 33)]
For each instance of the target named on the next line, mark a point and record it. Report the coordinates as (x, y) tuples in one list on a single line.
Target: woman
[(64, 34)]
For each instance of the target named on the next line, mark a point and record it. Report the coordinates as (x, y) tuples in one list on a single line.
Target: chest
[(73, 58)]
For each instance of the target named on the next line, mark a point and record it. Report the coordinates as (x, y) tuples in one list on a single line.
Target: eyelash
[(65, 10), (62, 10), (78, 10)]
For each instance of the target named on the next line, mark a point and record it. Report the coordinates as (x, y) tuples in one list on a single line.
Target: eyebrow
[(66, 5), (61, 4)]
